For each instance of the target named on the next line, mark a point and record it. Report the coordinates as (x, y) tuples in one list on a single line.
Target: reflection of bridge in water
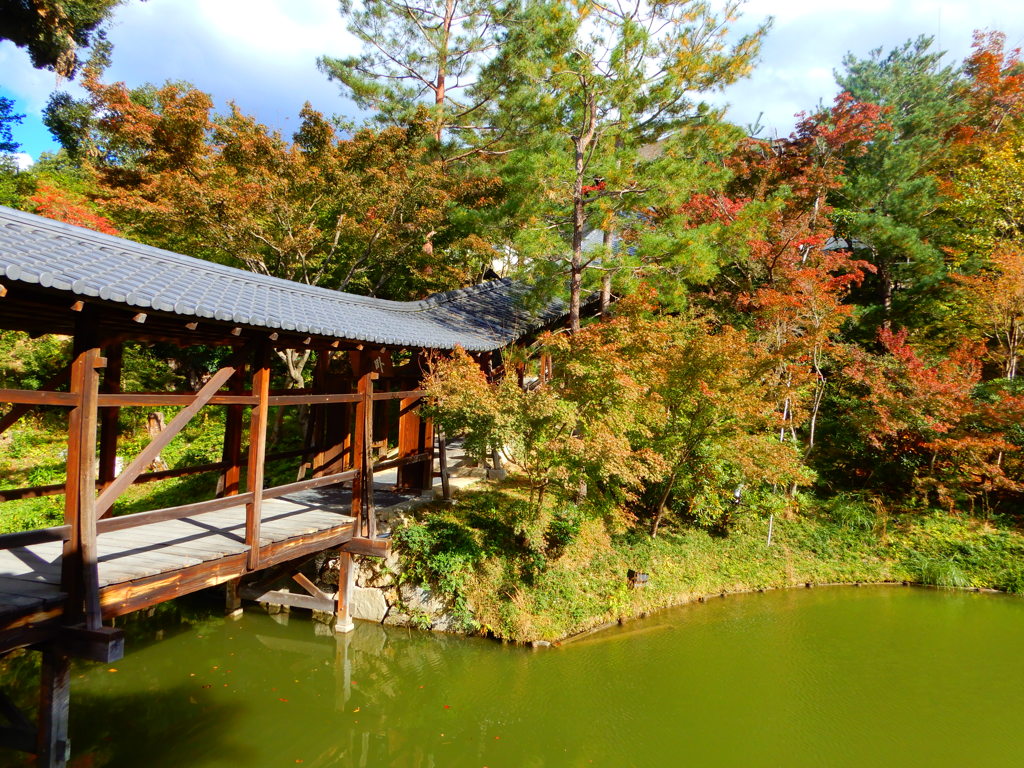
[(58, 585)]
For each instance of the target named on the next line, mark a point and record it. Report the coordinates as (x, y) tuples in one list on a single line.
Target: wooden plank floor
[(30, 576)]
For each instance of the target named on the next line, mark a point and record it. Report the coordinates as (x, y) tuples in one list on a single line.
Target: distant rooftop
[(111, 270)]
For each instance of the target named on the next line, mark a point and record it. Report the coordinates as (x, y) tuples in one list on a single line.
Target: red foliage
[(924, 423), (63, 205)]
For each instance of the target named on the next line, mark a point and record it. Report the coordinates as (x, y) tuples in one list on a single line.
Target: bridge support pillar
[(346, 586), (52, 745), (232, 598)]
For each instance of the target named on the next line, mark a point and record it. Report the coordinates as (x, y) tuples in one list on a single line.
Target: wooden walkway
[(143, 565)]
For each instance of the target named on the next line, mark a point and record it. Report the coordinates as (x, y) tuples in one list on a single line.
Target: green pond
[(824, 677)]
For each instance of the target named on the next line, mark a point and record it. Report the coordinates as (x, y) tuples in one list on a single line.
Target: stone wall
[(380, 597)]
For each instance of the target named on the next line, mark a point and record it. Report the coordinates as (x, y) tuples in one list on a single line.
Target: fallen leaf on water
[(207, 686), (112, 669), (284, 700), (447, 707), (357, 709)]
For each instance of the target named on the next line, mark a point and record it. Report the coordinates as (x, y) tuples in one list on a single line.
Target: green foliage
[(890, 191), (53, 30), (842, 540), (8, 118)]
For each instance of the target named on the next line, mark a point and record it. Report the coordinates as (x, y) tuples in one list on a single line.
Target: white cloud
[(809, 39), (262, 53), (24, 160)]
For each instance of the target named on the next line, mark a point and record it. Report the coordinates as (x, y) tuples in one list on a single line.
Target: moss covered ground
[(505, 581)]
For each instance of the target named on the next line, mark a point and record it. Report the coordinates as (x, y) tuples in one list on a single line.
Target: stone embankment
[(379, 595)]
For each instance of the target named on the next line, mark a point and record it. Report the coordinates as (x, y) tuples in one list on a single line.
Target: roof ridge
[(215, 268), (64, 257)]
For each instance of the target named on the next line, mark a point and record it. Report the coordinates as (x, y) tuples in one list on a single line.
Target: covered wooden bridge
[(59, 584)]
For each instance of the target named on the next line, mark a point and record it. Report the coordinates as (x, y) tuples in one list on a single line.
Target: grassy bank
[(503, 580)]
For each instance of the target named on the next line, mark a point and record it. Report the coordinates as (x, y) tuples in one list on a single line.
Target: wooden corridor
[(139, 566), (353, 364)]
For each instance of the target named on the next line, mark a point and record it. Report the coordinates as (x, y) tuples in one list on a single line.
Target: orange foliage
[(64, 205)]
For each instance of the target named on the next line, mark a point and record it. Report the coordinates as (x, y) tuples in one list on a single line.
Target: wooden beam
[(257, 454), (104, 644), (303, 581), (368, 547), (37, 397), (151, 451), (59, 379), (52, 746), (291, 599), (87, 508), (109, 417), (362, 485), (230, 481)]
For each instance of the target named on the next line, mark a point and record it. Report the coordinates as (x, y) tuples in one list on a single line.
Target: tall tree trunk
[(886, 290), (606, 278), (442, 67), (579, 215)]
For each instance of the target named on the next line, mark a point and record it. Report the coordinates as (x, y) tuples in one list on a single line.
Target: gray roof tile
[(86, 263)]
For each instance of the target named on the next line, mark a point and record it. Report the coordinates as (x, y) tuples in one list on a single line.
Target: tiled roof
[(113, 270)]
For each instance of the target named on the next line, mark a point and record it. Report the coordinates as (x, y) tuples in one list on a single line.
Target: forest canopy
[(837, 311)]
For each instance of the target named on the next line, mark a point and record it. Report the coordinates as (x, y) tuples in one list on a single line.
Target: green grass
[(477, 553), (32, 453)]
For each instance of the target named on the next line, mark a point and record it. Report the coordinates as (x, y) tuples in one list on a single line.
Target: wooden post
[(318, 417), (232, 599), (442, 461), (362, 485), (52, 746), (346, 585), (426, 446), (257, 454), (109, 416), (231, 477), (409, 424), (79, 565)]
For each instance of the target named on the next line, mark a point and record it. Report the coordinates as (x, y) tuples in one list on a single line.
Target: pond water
[(836, 677)]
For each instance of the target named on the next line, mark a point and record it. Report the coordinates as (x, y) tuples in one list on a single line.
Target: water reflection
[(837, 677)]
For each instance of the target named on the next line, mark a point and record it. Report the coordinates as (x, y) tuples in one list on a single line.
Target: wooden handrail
[(38, 536), (171, 513), (403, 461), (340, 397), (313, 482), (405, 394), (154, 399), (55, 489), (38, 397)]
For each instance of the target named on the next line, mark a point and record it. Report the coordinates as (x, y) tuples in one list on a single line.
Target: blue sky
[(262, 53)]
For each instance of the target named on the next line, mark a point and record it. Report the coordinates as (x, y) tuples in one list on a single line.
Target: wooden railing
[(89, 497)]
